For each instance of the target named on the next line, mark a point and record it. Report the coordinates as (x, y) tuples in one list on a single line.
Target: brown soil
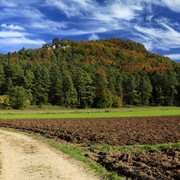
[(151, 165), (112, 131), (164, 164)]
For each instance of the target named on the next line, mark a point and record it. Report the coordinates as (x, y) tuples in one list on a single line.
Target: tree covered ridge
[(103, 73)]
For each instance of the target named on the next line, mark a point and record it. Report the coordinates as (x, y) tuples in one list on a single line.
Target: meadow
[(59, 112)]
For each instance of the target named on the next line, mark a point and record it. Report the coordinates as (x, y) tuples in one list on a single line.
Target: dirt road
[(24, 158)]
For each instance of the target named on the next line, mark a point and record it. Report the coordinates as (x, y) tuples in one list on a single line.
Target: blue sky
[(29, 24)]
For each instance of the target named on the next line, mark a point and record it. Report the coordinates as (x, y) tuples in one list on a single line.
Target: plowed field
[(152, 165), (111, 131)]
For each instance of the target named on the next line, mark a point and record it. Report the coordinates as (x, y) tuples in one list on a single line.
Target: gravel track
[(24, 158)]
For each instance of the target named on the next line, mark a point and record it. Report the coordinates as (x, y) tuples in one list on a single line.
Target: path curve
[(24, 158)]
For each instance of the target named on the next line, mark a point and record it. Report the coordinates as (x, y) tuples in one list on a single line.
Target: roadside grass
[(79, 153), (92, 114), (135, 148)]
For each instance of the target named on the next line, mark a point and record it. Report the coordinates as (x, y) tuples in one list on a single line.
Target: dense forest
[(103, 73)]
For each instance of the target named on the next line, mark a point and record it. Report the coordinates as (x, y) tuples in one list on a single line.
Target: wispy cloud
[(163, 38), (16, 39), (22, 41), (138, 20), (73, 7), (9, 34), (16, 43), (7, 3), (165, 20), (74, 32), (173, 5), (173, 56), (91, 16), (91, 9), (94, 37), (11, 26), (49, 25), (18, 3), (126, 10), (23, 13)]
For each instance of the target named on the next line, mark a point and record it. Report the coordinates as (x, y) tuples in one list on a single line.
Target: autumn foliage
[(130, 74)]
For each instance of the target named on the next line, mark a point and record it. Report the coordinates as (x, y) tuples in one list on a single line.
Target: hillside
[(104, 73)]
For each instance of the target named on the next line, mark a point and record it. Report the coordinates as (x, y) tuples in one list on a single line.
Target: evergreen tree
[(2, 79), (145, 89), (170, 88), (29, 80), (129, 87), (56, 93), (177, 98), (41, 85), (84, 88), (119, 86), (157, 80), (70, 93), (103, 95)]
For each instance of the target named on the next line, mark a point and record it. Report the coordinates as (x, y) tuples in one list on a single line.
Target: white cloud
[(15, 40), (91, 17), (15, 44), (21, 40), (173, 56), (25, 13), (126, 10), (74, 32), (91, 9), (112, 15), (174, 5), (93, 37), (168, 21), (7, 34), (73, 7), (20, 3), (7, 3), (159, 38), (49, 25), (149, 18), (11, 26)]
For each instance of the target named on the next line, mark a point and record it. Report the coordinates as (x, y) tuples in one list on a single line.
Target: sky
[(30, 24)]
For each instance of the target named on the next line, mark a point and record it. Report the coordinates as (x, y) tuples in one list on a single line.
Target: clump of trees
[(104, 73)]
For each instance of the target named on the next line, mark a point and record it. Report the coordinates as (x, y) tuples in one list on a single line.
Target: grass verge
[(135, 148), (95, 115)]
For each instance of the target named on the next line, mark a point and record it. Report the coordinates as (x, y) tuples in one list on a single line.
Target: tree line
[(103, 73)]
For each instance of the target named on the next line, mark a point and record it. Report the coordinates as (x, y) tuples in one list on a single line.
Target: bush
[(18, 98), (118, 102), (4, 101)]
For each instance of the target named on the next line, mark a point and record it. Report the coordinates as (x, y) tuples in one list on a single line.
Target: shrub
[(18, 98), (4, 101)]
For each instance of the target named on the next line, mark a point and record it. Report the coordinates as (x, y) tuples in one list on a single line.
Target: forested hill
[(103, 73)]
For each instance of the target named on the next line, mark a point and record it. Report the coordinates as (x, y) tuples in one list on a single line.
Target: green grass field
[(128, 112)]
